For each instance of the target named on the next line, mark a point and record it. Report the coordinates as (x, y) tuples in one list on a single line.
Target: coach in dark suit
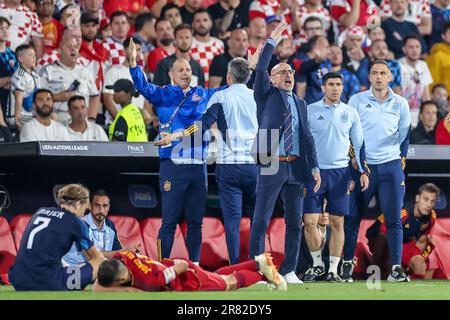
[(286, 154)]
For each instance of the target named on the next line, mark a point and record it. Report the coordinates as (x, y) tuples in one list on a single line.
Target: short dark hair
[(168, 7), (429, 187), (75, 98), (117, 14), (312, 19), (331, 75), (22, 48), (199, 11), (142, 19), (183, 26), (409, 37), (161, 20), (100, 193), (375, 62), (5, 20), (445, 27), (41, 91), (438, 86), (424, 103), (108, 272), (126, 43)]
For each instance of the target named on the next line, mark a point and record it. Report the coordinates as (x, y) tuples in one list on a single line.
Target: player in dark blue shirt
[(47, 238)]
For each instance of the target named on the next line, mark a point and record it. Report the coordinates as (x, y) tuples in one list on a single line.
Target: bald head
[(238, 43), (181, 73), (282, 76)]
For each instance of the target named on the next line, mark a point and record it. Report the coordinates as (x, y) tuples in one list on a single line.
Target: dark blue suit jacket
[(272, 106)]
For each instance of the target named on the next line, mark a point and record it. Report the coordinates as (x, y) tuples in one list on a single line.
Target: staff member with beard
[(42, 127), (102, 231)]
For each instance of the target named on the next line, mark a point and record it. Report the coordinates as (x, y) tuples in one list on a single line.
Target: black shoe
[(346, 272), (333, 277), (313, 273), (398, 275)]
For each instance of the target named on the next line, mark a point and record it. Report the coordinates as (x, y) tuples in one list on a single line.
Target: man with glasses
[(102, 231), (284, 164)]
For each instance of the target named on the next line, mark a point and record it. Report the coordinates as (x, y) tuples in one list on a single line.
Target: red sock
[(247, 265), (417, 276), (4, 279), (246, 278)]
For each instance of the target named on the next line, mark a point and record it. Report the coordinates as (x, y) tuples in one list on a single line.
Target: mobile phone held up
[(74, 86)]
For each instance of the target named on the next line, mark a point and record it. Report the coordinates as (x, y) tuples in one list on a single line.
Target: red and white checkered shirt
[(116, 52), (303, 13), (267, 8), (53, 56), (204, 53), (24, 25), (417, 9)]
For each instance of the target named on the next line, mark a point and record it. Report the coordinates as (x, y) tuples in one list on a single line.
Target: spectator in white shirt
[(80, 129), (42, 127)]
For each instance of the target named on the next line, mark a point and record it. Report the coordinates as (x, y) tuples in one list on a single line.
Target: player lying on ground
[(127, 271)]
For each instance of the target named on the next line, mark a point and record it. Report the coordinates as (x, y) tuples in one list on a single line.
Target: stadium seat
[(214, 246), (18, 225), (7, 248), (276, 233), (129, 231), (150, 228)]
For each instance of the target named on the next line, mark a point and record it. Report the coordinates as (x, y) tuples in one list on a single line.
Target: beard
[(202, 32), (88, 38), (166, 41), (184, 50), (43, 113)]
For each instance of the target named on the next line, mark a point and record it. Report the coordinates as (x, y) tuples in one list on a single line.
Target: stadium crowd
[(145, 69)]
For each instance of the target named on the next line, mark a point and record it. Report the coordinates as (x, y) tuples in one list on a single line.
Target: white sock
[(317, 258), (196, 263), (334, 261), (395, 266)]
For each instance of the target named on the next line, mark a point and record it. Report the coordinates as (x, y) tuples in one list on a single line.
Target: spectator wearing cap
[(348, 13), (94, 53), (145, 31), (105, 30), (237, 48), (379, 51), (183, 44), (311, 8), (80, 129), (314, 66), (257, 33), (188, 10), (119, 26), (25, 26), (349, 78), (397, 28), (51, 28), (416, 76), (439, 59), (227, 16), (60, 5), (165, 45), (443, 131), (439, 95), (424, 133), (128, 125), (115, 73), (172, 13), (418, 13), (353, 53), (440, 12), (272, 22)]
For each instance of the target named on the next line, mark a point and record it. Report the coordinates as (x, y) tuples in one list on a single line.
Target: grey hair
[(239, 69)]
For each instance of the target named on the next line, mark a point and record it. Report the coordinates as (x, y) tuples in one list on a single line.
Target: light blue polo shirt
[(332, 127), (104, 239), (385, 124)]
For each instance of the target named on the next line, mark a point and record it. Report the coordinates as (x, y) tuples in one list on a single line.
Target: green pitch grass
[(421, 290)]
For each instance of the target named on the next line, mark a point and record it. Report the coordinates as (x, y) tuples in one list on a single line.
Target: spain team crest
[(167, 185), (344, 117)]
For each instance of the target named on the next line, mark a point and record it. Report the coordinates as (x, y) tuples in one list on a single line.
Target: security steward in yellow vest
[(129, 124)]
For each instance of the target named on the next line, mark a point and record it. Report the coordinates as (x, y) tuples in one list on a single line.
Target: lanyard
[(167, 124)]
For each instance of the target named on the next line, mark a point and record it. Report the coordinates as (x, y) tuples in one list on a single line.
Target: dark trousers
[(236, 182), (268, 187), (183, 189), (387, 180)]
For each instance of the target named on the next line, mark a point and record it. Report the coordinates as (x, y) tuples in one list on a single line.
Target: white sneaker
[(292, 278)]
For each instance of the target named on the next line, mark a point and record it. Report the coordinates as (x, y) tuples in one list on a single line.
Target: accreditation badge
[(164, 127)]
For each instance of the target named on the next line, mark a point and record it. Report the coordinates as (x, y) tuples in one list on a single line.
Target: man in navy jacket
[(285, 151)]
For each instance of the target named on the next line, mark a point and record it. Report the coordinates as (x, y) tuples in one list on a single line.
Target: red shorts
[(410, 250), (197, 279)]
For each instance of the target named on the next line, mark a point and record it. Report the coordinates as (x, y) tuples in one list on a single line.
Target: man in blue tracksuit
[(385, 121), (182, 180)]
